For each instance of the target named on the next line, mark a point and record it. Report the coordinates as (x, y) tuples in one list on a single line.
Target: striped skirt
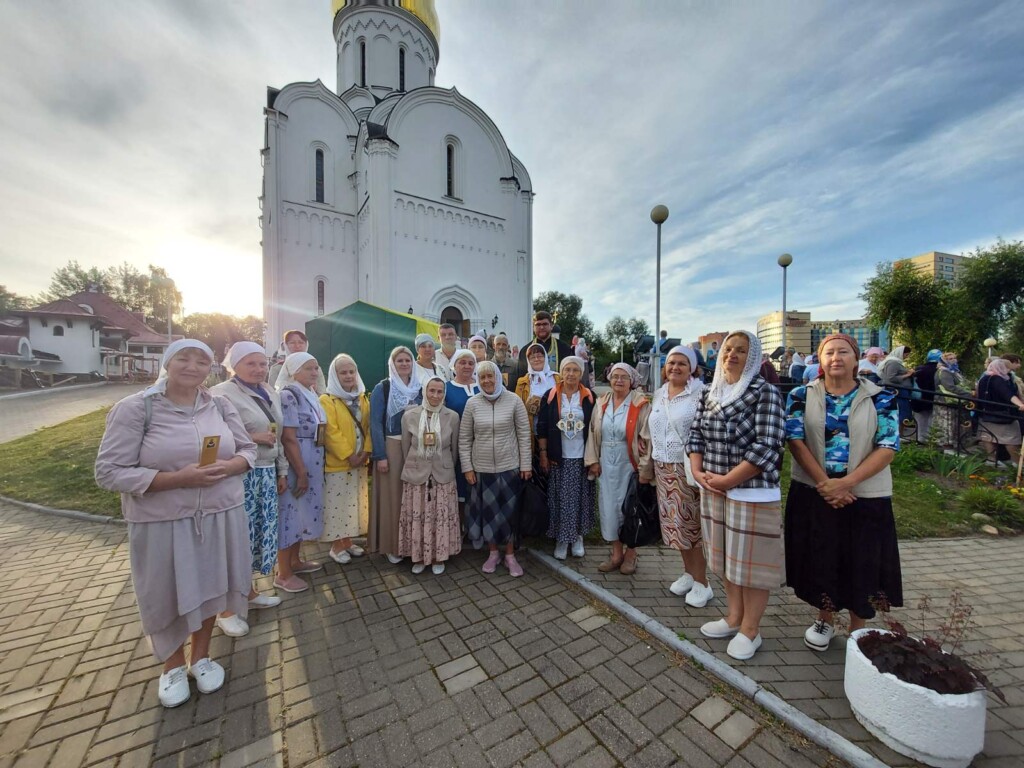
[(743, 540)]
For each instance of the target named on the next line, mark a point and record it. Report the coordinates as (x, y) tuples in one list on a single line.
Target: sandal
[(610, 565), (628, 567)]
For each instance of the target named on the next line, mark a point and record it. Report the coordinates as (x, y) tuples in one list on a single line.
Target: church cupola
[(386, 45)]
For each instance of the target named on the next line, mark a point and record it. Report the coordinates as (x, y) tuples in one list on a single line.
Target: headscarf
[(543, 380), (571, 359), (581, 349), (946, 364), (479, 338), (634, 376), (875, 351), (499, 386), (841, 337), (401, 394), (459, 353), (421, 339), (998, 367), (722, 392), (286, 378), (934, 356), (688, 353), (160, 385), (334, 386), (798, 359), (238, 352), (898, 353), (430, 419), (892, 365)]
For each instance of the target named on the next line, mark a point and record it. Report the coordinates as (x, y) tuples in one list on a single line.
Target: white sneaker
[(356, 551), (418, 568), (561, 550), (341, 558), (233, 626), (819, 635), (265, 601), (682, 585), (718, 629), (577, 547), (437, 568), (699, 595), (394, 559), (209, 675), (742, 647), (174, 690)]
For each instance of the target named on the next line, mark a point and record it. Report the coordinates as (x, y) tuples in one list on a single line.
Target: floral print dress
[(302, 519)]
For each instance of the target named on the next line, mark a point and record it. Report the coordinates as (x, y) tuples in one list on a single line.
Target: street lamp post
[(659, 214), (784, 261), (990, 343)]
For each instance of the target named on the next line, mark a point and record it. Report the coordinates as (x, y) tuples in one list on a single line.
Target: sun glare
[(213, 277)]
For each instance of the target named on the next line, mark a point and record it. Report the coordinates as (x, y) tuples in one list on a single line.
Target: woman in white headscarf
[(259, 407), (429, 530), (563, 424), (538, 379), (616, 448), (390, 398), (188, 540), (478, 346), (302, 512), (735, 450), (348, 446)]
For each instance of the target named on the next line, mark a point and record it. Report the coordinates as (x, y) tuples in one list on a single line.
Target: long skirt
[(491, 510), (570, 501), (260, 485), (1003, 434), (842, 559), (948, 418), (616, 472), (678, 507), (743, 540), (346, 504), (186, 571), (386, 501), (429, 530)]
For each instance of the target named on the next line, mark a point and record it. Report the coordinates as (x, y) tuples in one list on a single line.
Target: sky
[(845, 134)]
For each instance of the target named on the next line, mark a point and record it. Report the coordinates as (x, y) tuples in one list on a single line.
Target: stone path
[(988, 572), (372, 667), (23, 415)]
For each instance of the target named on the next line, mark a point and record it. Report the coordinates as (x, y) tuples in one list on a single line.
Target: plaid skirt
[(491, 510), (743, 540)]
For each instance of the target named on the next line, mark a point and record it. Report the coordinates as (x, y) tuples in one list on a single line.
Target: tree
[(622, 334), (161, 294), (10, 300), (567, 309), (221, 331), (74, 278)]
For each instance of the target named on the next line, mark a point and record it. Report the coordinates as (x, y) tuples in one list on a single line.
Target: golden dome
[(421, 9)]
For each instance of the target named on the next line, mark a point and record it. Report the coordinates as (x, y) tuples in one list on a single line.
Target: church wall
[(383, 32), (312, 124)]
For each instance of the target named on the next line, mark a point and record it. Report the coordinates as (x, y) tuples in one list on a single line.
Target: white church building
[(391, 190)]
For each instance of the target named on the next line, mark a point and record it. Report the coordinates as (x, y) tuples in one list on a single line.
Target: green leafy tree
[(622, 334), (10, 300), (74, 278), (567, 309), (220, 331)]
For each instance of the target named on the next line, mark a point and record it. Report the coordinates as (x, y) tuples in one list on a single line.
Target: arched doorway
[(453, 315)]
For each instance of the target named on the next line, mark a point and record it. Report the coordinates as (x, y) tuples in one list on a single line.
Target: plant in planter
[(920, 700)]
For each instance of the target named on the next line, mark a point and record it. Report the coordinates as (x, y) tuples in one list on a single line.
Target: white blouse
[(670, 422)]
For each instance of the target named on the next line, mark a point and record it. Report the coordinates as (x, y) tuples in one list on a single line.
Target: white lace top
[(670, 422)]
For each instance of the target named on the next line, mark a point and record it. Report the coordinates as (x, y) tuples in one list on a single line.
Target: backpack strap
[(148, 405)]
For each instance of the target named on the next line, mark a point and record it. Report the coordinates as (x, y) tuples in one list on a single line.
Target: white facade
[(75, 340), (391, 190)]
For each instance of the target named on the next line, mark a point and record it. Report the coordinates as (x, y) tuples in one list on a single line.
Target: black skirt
[(843, 558)]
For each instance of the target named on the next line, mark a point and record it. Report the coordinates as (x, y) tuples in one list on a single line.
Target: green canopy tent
[(368, 333)]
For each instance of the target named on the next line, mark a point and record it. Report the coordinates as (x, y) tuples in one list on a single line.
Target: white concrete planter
[(943, 730)]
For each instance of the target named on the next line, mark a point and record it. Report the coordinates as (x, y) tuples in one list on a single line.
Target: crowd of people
[(220, 484)]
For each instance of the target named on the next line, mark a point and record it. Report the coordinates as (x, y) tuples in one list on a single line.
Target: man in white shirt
[(449, 344)]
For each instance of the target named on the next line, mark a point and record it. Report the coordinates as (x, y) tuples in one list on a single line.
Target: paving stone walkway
[(371, 667), (25, 414), (988, 572)]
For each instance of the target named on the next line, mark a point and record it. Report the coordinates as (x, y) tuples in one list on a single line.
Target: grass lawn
[(54, 467)]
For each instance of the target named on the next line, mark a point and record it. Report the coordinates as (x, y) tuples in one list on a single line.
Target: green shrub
[(998, 505), (912, 458)]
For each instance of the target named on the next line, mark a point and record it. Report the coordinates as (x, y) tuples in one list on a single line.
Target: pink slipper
[(492, 562), (292, 584), (514, 568)]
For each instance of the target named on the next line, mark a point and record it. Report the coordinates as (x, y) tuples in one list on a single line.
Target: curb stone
[(73, 514), (793, 717)]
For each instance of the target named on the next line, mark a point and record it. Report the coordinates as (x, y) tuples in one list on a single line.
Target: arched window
[(401, 69), (450, 168), (362, 63), (320, 291), (58, 330), (319, 175)]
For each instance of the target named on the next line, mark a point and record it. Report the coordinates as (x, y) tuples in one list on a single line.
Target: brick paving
[(371, 667), (988, 572), (25, 414)]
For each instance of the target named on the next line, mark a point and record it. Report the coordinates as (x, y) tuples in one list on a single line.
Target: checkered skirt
[(491, 511), (743, 540)]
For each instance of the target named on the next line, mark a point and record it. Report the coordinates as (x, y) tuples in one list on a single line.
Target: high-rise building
[(798, 331), (865, 335), (945, 266)]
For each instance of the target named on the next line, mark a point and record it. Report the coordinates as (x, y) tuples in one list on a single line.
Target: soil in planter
[(920, 663)]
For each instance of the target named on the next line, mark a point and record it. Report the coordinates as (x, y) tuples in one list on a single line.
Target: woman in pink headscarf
[(1000, 411)]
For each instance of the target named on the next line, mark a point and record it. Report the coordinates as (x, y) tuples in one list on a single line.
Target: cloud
[(845, 135)]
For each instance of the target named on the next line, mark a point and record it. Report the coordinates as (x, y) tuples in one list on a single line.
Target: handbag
[(532, 516), (641, 523)]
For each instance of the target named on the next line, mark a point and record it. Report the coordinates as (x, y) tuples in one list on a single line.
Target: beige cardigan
[(495, 436), (441, 466), (255, 420), (641, 453)]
